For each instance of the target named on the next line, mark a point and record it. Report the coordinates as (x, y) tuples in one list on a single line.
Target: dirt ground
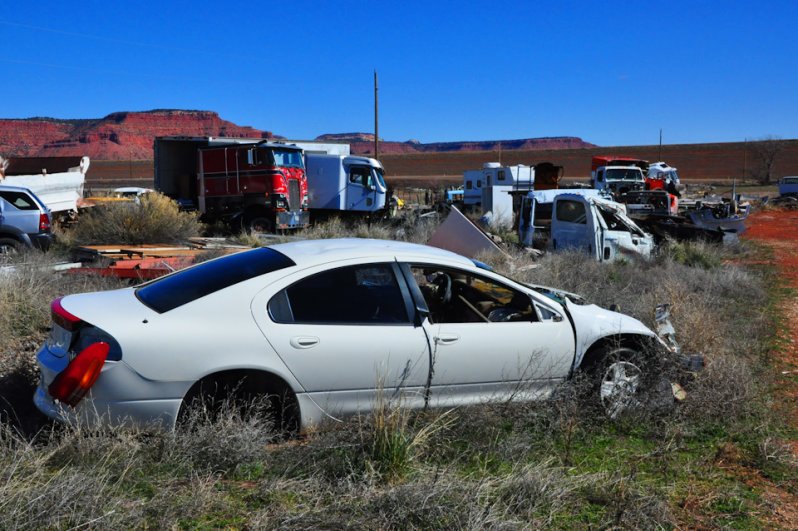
[(778, 229)]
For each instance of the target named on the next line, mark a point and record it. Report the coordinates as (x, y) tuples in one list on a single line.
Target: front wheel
[(257, 223), (621, 378)]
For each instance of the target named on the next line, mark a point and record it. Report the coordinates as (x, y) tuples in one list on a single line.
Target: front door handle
[(303, 342), (447, 339)]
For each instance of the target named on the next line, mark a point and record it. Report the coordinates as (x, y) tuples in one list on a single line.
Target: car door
[(20, 211), (574, 225), (489, 339), (362, 192), (347, 335)]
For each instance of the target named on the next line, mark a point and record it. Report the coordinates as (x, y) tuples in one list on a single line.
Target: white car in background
[(322, 328)]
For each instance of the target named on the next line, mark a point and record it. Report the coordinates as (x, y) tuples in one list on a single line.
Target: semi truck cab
[(340, 183)]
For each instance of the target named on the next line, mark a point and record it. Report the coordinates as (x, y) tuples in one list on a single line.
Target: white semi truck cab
[(345, 183)]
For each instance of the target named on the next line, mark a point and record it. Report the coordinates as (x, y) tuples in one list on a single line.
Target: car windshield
[(380, 176), (287, 157), (624, 174), (790, 180), (188, 285)]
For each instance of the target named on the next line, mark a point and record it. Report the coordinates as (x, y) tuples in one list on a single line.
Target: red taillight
[(63, 318), (44, 222), (72, 384)]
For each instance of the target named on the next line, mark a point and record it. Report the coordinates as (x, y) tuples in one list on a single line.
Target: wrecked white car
[(581, 219), (322, 328)]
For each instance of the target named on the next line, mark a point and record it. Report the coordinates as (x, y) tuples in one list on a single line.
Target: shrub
[(155, 219), (395, 441), (225, 437), (693, 254)]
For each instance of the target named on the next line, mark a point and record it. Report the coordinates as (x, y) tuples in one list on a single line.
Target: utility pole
[(376, 119), (745, 158), (659, 155)]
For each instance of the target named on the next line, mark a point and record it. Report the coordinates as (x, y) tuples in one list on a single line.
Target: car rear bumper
[(91, 413), (120, 396), (42, 240)]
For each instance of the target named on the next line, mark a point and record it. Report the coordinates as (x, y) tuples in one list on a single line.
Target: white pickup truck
[(581, 219)]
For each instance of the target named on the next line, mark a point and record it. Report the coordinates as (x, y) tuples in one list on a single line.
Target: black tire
[(625, 380), (208, 401), (258, 223), (10, 246), (618, 377)]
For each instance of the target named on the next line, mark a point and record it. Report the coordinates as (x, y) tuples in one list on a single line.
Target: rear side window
[(363, 294), (191, 284), (20, 200)]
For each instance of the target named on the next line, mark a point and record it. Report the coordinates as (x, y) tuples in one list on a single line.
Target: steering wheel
[(443, 288)]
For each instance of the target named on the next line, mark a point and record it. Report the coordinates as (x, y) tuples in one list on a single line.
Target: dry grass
[(155, 219), (501, 465)]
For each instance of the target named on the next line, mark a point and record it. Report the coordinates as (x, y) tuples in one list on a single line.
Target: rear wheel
[(9, 246), (212, 400)]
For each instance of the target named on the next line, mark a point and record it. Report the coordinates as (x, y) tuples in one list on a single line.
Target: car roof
[(309, 252), (547, 196), (7, 188), (28, 191)]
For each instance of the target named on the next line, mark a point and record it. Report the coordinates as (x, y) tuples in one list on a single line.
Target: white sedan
[(322, 328)]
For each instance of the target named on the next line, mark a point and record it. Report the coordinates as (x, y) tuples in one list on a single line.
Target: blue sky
[(613, 73)]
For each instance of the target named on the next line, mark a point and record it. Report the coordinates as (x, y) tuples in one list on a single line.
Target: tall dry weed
[(155, 219)]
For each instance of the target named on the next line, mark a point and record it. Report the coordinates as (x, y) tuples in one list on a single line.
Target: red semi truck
[(254, 185)]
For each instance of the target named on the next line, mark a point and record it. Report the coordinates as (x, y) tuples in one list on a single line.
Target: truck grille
[(294, 199)]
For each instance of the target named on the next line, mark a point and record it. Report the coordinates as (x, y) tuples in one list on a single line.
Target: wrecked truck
[(581, 219)]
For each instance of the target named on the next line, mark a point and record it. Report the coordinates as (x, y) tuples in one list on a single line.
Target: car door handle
[(304, 341), (447, 339)]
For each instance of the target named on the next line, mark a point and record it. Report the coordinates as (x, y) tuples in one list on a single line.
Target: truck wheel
[(9, 246), (258, 223)]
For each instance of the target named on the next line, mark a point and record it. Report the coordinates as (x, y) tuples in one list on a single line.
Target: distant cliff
[(130, 135), (118, 136), (363, 144)]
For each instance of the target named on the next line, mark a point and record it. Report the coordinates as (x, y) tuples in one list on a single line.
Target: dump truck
[(345, 184), (56, 182), (581, 219), (253, 185)]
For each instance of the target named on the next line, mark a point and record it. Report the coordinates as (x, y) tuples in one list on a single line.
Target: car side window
[(362, 294), (455, 296), (19, 200)]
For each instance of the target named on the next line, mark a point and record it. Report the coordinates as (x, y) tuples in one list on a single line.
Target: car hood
[(592, 323)]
